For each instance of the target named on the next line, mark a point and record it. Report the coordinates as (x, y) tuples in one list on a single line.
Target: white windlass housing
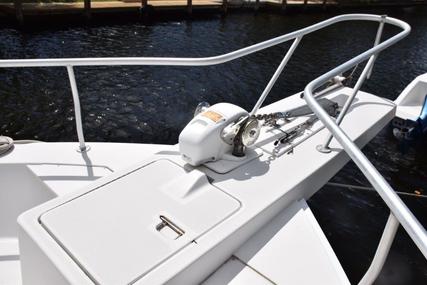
[(201, 140)]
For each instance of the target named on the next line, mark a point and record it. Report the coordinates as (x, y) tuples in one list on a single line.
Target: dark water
[(152, 104)]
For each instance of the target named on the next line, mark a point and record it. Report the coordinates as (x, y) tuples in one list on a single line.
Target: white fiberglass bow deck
[(214, 208)]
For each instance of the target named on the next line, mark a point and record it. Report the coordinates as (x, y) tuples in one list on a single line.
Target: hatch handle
[(165, 222)]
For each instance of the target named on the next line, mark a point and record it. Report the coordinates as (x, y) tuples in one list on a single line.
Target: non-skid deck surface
[(291, 249)]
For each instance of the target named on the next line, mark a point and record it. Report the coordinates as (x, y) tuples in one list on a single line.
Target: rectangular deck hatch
[(121, 230)]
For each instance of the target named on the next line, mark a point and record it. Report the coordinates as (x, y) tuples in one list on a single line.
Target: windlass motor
[(224, 131), (211, 133)]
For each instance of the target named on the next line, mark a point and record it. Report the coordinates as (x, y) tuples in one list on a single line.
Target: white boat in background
[(226, 205), (411, 113)]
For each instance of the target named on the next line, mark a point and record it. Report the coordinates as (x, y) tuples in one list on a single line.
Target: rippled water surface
[(152, 104)]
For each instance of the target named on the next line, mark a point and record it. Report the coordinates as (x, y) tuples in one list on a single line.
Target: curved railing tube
[(204, 61), (69, 63), (398, 208)]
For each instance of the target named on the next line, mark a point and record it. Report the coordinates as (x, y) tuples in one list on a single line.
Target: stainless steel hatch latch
[(169, 228)]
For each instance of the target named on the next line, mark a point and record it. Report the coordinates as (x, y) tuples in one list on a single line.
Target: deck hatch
[(113, 232)]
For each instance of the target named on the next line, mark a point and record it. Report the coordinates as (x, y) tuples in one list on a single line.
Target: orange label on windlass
[(214, 116)]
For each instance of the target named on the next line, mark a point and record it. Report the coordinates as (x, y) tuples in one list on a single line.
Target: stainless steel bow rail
[(399, 212)]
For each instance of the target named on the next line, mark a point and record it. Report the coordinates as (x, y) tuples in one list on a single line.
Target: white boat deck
[(42, 171), (264, 186), (293, 232), (63, 169), (267, 185)]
